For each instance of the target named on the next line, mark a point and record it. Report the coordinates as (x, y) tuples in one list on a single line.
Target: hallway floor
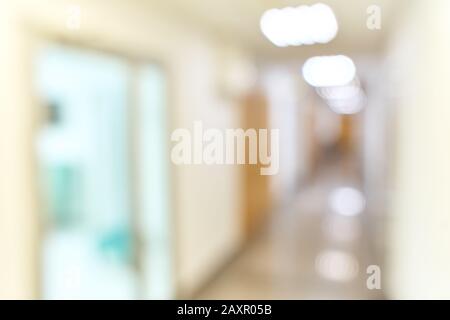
[(307, 252)]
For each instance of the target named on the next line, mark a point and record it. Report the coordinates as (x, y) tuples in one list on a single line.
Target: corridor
[(307, 251), (224, 149)]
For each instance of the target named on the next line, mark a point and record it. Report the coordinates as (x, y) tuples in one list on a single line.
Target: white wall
[(419, 223), (207, 199), (286, 94)]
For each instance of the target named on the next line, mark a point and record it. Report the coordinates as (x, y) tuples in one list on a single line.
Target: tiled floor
[(307, 252)]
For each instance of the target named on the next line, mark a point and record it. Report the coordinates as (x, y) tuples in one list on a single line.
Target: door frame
[(36, 38)]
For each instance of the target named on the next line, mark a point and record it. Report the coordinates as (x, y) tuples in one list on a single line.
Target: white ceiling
[(239, 19)]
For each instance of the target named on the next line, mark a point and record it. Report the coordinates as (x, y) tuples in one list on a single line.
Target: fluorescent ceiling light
[(348, 106), (346, 92), (329, 71), (303, 25), (349, 99)]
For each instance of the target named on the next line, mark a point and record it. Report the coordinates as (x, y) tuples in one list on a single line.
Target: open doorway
[(101, 151)]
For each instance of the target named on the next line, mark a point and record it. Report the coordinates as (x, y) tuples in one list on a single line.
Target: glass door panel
[(84, 171)]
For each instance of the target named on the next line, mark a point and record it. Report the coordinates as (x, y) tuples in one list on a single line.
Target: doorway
[(104, 182)]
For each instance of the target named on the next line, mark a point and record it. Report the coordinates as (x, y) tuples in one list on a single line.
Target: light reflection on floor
[(309, 251)]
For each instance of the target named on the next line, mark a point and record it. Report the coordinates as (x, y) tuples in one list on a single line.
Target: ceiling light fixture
[(303, 25), (329, 71)]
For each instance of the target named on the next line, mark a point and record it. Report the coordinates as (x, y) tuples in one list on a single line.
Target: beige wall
[(207, 208), (16, 199), (419, 238)]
